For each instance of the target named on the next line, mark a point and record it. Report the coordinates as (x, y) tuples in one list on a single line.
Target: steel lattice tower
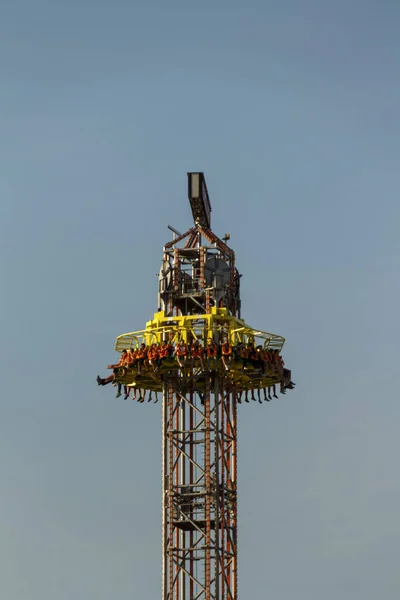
[(199, 299)]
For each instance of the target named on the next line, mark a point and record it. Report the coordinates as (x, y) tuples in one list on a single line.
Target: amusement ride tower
[(198, 308)]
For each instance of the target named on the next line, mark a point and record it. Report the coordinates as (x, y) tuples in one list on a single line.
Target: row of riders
[(145, 358)]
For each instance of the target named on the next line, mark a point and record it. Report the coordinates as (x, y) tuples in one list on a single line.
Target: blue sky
[(292, 111)]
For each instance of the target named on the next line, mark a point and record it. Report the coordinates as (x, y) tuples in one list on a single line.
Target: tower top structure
[(198, 271)]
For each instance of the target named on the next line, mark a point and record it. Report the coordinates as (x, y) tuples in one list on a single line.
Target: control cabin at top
[(200, 273)]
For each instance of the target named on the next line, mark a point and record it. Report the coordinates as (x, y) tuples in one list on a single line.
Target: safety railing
[(218, 326)]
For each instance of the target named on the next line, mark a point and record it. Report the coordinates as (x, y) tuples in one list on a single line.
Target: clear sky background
[(291, 108)]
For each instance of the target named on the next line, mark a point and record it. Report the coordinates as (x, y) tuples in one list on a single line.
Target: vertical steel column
[(199, 490), (229, 514), (202, 270), (164, 490), (182, 482), (191, 481), (235, 523), (233, 299), (221, 452), (175, 270), (207, 516), (177, 487), (170, 492), (217, 473)]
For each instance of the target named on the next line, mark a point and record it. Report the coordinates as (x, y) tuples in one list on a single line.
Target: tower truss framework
[(199, 492)]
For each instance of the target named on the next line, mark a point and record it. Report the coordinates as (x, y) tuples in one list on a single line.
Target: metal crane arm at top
[(199, 199)]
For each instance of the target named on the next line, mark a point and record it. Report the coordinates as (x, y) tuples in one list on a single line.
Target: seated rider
[(226, 355), (252, 355), (260, 362), (163, 354), (181, 353), (115, 369), (131, 360), (212, 353), (196, 353), (287, 378), (267, 362), (285, 374), (244, 355), (278, 364), (141, 358), (153, 355)]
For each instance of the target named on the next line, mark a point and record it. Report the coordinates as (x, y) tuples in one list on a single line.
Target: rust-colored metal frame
[(199, 490)]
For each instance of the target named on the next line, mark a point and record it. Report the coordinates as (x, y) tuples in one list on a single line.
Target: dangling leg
[(228, 389), (105, 381), (274, 390), (127, 392)]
